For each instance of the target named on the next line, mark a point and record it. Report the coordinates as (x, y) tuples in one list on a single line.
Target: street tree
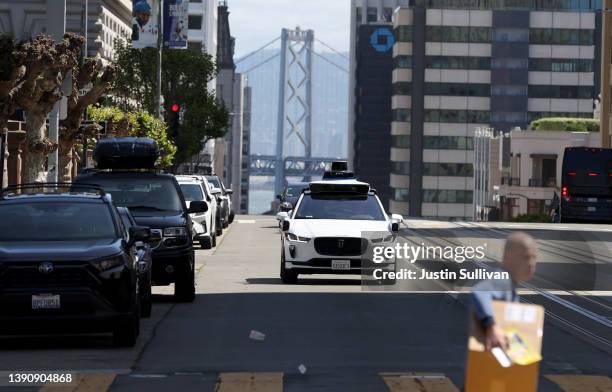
[(186, 75), (31, 77), (90, 81)]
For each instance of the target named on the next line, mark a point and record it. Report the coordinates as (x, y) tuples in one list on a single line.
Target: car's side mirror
[(229, 191), (215, 191), (397, 218), (198, 207), (281, 216), (139, 233), (285, 225)]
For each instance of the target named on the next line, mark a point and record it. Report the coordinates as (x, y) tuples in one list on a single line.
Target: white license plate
[(341, 264), (592, 200), (591, 209), (45, 301)]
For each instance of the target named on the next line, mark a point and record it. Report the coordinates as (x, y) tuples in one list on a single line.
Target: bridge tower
[(295, 97)]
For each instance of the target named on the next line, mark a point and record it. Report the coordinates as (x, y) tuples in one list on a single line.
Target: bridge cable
[(333, 50), (260, 64), (331, 62), (241, 59)]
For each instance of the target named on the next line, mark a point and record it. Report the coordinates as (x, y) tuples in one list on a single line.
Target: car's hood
[(336, 228), (58, 250), (159, 220)]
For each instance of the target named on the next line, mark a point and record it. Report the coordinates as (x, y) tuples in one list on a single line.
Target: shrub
[(566, 124)]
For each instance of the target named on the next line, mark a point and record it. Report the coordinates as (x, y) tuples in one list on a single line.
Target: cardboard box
[(517, 369)]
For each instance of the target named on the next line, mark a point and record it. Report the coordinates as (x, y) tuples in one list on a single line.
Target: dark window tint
[(192, 192), (194, 22), (56, 221), (141, 193)]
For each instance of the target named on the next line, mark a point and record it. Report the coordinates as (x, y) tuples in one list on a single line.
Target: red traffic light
[(175, 107)]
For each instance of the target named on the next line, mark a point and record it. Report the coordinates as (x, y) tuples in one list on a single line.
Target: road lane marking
[(250, 382), (83, 383), (582, 383), (414, 382)]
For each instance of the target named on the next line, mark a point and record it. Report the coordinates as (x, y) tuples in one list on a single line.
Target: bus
[(586, 185)]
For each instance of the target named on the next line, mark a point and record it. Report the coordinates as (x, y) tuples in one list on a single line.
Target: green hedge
[(566, 124)]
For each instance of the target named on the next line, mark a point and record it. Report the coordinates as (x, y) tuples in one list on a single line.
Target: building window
[(402, 168), (400, 141), (509, 117), (555, 91), (448, 143), (403, 62), (562, 36), (194, 22), (403, 33), (402, 88), (458, 89), (508, 90), (401, 115), (447, 196), (457, 62), (509, 63), (457, 34), (401, 194), (372, 14), (438, 169), (388, 14), (560, 65), (457, 116), (510, 35), (359, 15)]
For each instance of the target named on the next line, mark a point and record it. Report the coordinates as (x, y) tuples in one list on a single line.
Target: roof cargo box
[(126, 153)]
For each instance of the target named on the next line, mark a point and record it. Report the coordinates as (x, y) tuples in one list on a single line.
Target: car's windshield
[(141, 193), (294, 190), (56, 221), (192, 192), (339, 206)]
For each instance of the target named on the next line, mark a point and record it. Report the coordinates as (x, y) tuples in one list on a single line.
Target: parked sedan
[(224, 196), (67, 264)]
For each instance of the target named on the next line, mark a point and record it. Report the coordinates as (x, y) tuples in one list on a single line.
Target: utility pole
[(56, 27), (85, 31), (160, 45)]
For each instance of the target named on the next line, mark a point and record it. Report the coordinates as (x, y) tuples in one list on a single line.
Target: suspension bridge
[(299, 106)]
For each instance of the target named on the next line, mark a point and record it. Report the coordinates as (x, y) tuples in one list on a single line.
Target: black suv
[(67, 263), (155, 201)]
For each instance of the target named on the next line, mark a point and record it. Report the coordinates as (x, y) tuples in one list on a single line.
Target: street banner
[(145, 23), (175, 23)]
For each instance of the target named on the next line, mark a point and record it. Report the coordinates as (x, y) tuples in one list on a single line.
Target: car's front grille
[(30, 276), (340, 246)]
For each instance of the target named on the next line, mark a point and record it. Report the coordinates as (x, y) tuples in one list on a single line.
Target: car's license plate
[(45, 301), (591, 209), (341, 264), (592, 200)]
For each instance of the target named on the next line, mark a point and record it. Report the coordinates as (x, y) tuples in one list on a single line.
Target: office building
[(107, 20), (457, 69), (371, 66)]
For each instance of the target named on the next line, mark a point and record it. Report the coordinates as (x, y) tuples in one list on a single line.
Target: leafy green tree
[(186, 75), (136, 123)]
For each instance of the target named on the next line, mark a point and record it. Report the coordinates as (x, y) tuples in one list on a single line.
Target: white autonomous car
[(331, 227)]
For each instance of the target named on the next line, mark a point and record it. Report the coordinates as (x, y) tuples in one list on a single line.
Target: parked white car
[(324, 233), (204, 224)]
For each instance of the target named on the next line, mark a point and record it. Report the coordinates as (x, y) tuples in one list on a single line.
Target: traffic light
[(175, 108)]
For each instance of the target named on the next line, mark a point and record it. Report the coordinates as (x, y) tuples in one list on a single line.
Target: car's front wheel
[(206, 243), (184, 287), (287, 276)]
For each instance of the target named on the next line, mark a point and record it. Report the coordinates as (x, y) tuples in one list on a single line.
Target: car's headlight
[(106, 264), (175, 232), (381, 240), (295, 238)]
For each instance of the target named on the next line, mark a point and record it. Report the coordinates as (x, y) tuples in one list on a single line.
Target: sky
[(254, 23)]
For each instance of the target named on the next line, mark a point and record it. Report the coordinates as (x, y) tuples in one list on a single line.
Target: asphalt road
[(326, 333)]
